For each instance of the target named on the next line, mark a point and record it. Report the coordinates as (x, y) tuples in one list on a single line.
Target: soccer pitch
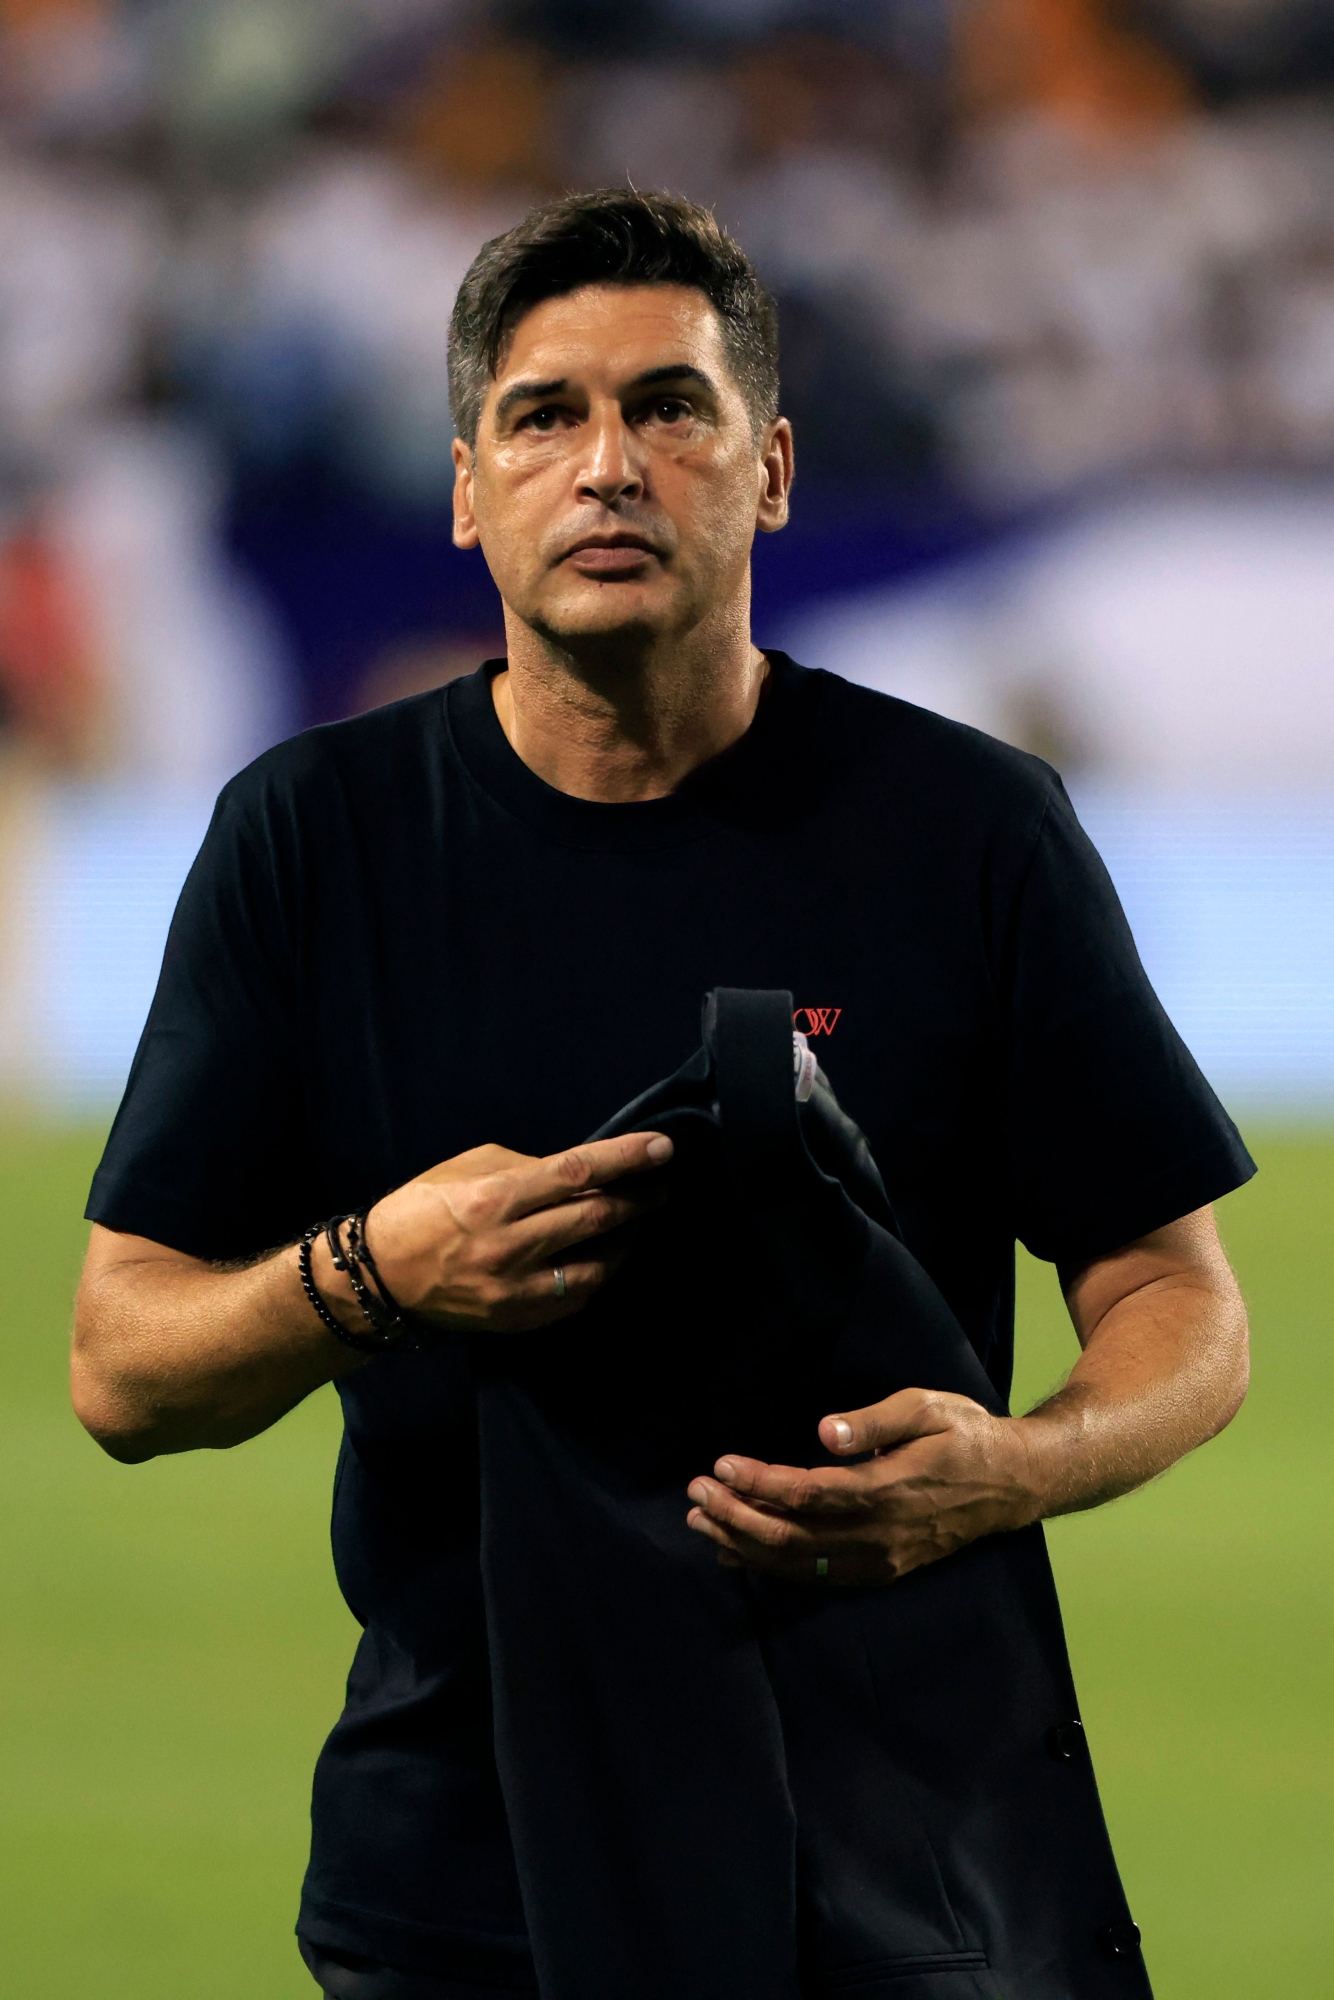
[(173, 1647)]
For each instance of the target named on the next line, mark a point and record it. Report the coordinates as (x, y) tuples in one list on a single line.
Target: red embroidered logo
[(816, 1020)]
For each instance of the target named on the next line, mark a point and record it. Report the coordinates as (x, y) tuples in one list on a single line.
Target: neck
[(627, 720)]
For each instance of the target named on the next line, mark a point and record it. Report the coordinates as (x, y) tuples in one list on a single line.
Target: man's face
[(617, 483)]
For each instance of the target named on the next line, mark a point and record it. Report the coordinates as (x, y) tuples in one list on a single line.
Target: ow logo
[(816, 1020)]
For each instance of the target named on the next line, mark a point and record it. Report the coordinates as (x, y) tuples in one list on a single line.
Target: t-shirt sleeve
[(1111, 1129), (208, 1153)]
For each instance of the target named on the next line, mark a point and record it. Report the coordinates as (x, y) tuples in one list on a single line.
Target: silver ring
[(559, 1275), (821, 1568)]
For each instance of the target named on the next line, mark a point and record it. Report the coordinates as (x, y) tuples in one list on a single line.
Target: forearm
[(1164, 1370), (172, 1355), (1164, 1367)]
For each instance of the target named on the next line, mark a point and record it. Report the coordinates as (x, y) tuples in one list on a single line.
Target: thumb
[(911, 1413)]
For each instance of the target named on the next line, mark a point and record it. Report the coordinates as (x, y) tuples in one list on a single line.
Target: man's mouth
[(611, 555)]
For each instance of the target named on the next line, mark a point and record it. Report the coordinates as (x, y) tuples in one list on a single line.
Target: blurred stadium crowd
[(1019, 246), (1056, 285)]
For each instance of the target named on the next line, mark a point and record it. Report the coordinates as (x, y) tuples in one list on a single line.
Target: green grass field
[(173, 1648)]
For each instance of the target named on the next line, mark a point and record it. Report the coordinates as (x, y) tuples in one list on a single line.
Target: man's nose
[(613, 464)]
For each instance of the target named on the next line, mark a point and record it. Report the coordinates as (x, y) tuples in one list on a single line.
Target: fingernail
[(725, 1469), (699, 1494), (659, 1149), (842, 1432)]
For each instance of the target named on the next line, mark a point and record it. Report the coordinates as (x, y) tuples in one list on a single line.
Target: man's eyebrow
[(674, 371), (533, 392), (528, 392)]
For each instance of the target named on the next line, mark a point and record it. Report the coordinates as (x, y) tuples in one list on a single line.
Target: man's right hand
[(474, 1243), (172, 1352)]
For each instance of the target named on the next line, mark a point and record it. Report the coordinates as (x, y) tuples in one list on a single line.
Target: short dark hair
[(611, 236)]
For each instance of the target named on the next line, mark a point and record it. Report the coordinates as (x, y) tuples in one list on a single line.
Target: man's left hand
[(1163, 1329), (944, 1471)]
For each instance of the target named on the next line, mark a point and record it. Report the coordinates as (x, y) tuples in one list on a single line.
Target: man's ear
[(465, 523), (776, 475)]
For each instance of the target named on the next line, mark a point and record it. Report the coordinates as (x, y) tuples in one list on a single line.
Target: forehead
[(613, 333)]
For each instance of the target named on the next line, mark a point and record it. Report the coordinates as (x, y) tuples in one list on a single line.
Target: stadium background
[(1057, 289)]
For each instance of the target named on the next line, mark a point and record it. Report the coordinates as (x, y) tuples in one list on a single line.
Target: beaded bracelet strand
[(360, 1341), (386, 1325), (389, 1325), (360, 1251)]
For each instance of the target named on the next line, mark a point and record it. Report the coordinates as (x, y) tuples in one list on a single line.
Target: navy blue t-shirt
[(398, 943)]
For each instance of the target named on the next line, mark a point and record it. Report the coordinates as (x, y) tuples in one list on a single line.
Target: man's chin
[(605, 628)]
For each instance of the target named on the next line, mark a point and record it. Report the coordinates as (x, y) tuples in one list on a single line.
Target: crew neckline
[(699, 806)]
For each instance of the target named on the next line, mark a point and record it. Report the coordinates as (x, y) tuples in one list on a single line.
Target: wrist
[(333, 1285), (1060, 1446), (392, 1241), (1028, 1470)]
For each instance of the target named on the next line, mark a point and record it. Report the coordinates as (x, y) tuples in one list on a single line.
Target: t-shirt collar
[(705, 802)]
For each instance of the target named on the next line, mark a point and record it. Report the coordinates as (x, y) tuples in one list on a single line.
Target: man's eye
[(670, 409), (544, 419)]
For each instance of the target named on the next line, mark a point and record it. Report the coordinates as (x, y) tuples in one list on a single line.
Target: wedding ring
[(559, 1275)]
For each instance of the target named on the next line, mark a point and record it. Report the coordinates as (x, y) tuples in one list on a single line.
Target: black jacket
[(719, 1787)]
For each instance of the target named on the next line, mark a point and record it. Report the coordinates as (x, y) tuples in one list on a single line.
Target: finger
[(847, 1567), (543, 1299), (794, 1488), (563, 1175), (745, 1523), (537, 1299), (538, 1238), (713, 1531), (909, 1414), (814, 1563)]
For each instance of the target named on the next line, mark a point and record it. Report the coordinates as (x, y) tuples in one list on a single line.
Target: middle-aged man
[(430, 949)]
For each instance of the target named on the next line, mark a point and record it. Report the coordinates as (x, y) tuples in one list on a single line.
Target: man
[(429, 949)]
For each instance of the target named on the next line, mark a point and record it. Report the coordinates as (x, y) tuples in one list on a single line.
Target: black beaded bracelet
[(381, 1312), (388, 1323), (360, 1252), (362, 1342)]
